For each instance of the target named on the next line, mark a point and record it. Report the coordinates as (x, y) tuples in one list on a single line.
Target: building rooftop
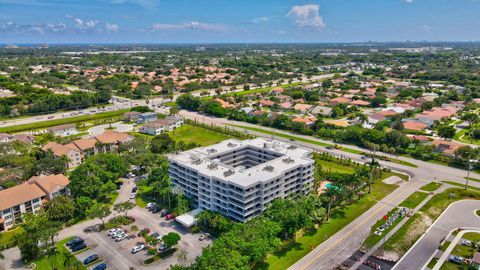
[(206, 160)]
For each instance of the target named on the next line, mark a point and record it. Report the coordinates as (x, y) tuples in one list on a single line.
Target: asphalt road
[(343, 244), (460, 214)]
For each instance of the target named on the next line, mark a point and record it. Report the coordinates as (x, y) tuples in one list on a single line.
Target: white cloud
[(146, 4), (111, 27), (193, 25), (426, 28), (408, 1), (91, 24), (307, 16), (260, 20), (78, 23)]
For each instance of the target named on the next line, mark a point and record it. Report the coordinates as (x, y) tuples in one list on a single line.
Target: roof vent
[(288, 160), (197, 161), (211, 151), (212, 166), (231, 144), (268, 168), (228, 173), (292, 147)]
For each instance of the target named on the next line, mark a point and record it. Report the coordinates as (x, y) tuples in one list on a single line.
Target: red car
[(169, 216)]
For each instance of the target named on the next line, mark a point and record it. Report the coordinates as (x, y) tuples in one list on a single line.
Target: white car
[(116, 234), (138, 248), (132, 196), (113, 231), (120, 237), (150, 205)]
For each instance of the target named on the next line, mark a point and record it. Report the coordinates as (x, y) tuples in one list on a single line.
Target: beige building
[(29, 197)]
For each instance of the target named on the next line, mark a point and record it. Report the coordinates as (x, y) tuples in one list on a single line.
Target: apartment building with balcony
[(241, 178), (29, 197)]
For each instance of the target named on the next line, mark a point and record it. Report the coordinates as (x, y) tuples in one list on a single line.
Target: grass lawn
[(452, 266), (464, 251), (409, 233), (7, 239), (330, 166), (59, 260), (472, 179), (475, 237), (56, 122), (194, 134), (411, 202), (461, 185), (432, 263), (414, 199), (432, 186), (293, 251)]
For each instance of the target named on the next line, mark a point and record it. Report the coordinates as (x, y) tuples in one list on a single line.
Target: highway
[(340, 246)]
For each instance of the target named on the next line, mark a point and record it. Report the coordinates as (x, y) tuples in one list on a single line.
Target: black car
[(134, 189), (74, 241), (90, 259), (101, 266), (78, 247), (155, 210)]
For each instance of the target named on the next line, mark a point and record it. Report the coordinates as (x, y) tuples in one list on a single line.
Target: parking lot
[(117, 255)]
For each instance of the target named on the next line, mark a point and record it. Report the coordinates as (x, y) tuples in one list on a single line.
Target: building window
[(6, 211)]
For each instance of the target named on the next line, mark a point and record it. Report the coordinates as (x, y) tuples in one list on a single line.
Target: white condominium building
[(240, 178)]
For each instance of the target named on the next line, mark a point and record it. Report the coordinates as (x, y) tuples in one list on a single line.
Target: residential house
[(360, 103), (70, 151), (266, 103), (162, 125), (109, 141), (302, 108), (130, 116), (338, 123), (321, 110), (447, 148), (339, 100), (86, 147), (224, 103), (29, 197), (146, 117), (306, 120), (286, 105), (414, 125), (63, 130)]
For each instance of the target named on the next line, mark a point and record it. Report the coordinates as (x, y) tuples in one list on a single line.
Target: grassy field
[(199, 135), (472, 179), (432, 186), (472, 236), (414, 199), (409, 233), (411, 202), (293, 251), (56, 122), (330, 166), (59, 260)]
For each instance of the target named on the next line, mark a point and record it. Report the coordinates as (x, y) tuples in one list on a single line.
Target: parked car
[(466, 242), (132, 196), (155, 210), (78, 247), (162, 247), (138, 248), (113, 231), (134, 189), (169, 216), (456, 259), (90, 259), (204, 236), (163, 213), (120, 237), (74, 241), (101, 266), (150, 205)]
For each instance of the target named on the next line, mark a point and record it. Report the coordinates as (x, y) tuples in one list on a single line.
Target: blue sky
[(211, 21)]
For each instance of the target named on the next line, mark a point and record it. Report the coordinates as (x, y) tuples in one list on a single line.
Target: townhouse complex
[(29, 197), (240, 178), (80, 149)]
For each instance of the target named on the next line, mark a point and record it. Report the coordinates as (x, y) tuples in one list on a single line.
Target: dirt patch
[(392, 180), (418, 226)]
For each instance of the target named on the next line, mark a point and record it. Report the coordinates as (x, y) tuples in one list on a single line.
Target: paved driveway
[(458, 214), (120, 127)]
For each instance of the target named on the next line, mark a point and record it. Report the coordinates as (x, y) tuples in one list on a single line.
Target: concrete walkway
[(452, 245)]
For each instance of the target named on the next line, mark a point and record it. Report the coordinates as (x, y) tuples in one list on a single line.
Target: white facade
[(240, 178)]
